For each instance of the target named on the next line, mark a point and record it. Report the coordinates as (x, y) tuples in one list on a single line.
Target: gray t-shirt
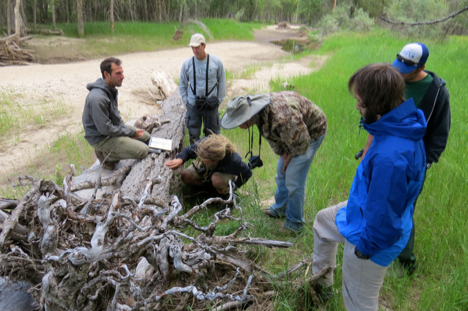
[(216, 73)]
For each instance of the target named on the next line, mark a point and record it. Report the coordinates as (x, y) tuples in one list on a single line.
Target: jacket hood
[(101, 84), (439, 82), (404, 121)]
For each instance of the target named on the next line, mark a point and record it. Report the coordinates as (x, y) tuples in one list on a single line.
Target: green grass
[(440, 283), (54, 162), (17, 113), (139, 36)]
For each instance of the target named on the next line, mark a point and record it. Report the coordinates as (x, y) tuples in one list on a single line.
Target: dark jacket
[(436, 107), (231, 164), (101, 117), (378, 215)]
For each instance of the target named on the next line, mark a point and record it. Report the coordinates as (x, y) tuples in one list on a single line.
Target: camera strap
[(194, 89), (251, 137)]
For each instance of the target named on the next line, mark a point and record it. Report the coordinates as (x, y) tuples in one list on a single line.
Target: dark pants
[(406, 257), (194, 119)]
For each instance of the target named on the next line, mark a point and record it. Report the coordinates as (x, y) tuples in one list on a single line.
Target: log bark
[(153, 167)]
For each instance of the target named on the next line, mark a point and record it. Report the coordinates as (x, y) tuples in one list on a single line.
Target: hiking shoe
[(288, 232), (398, 270), (105, 164), (324, 293), (269, 213)]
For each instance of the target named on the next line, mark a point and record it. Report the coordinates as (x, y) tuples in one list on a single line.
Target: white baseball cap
[(196, 40), (411, 57)]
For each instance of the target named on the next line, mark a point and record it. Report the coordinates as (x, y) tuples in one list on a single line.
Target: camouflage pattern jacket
[(289, 122)]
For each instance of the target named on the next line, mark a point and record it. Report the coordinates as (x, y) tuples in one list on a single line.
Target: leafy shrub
[(342, 19)]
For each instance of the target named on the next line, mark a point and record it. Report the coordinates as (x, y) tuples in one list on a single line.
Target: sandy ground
[(67, 82)]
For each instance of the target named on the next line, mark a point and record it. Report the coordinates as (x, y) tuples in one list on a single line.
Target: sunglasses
[(406, 61)]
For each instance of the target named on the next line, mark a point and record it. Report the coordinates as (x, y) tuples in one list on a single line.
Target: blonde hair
[(215, 147)]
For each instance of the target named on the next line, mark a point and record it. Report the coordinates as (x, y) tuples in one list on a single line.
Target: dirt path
[(67, 83)]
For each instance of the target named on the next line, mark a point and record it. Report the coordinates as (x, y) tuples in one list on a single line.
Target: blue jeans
[(290, 187)]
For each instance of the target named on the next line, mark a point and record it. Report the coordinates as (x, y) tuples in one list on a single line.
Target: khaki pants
[(124, 147), (362, 279)]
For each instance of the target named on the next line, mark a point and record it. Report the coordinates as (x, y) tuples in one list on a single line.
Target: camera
[(200, 101), (201, 171), (255, 161)]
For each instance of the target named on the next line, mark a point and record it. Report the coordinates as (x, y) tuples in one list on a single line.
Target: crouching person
[(104, 129), (375, 223), (217, 163)]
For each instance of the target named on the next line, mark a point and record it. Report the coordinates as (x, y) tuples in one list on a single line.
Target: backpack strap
[(194, 91)]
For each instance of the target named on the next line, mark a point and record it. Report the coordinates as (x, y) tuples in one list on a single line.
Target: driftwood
[(426, 22), (164, 86), (12, 54), (283, 25), (135, 249)]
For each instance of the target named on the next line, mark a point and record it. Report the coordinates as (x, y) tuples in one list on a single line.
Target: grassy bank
[(131, 37), (440, 283)]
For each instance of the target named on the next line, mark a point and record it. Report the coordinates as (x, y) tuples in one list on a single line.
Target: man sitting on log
[(105, 131), (217, 163)]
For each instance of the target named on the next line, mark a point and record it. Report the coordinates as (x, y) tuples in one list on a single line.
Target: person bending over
[(217, 163)]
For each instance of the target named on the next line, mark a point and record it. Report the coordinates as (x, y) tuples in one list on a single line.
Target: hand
[(139, 133), (286, 159), (173, 164)]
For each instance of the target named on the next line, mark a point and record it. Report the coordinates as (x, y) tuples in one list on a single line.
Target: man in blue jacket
[(375, 223)]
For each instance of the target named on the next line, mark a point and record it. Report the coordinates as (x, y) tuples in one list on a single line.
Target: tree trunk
[(181, 11), (297, 12), (112, 15), (35, 14), (160, 10), (79, 17), (8, 17), (145, 10), (17, 21), (334, 5), (52, 5), (67, 10)]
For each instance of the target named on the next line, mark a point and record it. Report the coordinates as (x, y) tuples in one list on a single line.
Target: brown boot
[(105, 164)]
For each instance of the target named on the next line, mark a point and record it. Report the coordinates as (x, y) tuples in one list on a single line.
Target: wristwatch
[(428, 166), (360, 255)]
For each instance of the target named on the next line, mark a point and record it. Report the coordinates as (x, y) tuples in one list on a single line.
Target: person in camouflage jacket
[(294, 128)]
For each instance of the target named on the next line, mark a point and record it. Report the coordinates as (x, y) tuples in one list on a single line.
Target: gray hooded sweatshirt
[(101, 117)]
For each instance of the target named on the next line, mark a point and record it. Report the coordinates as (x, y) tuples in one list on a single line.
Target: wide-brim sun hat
[(241, 109)]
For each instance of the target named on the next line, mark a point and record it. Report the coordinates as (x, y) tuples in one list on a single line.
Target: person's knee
[(319, 219), (218, 182), (186, 177), (141, 152)]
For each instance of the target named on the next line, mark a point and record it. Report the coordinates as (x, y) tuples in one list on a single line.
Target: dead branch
[(116, 178), (426, 22), (8, 203), (12, 220)]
